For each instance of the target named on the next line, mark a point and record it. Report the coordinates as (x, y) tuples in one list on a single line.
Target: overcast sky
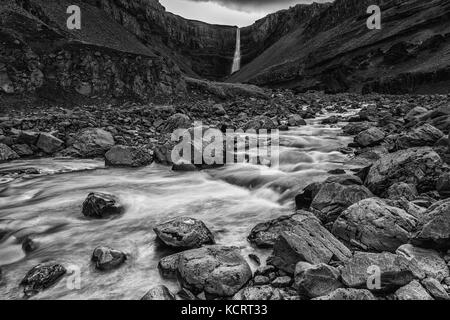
[(230, 12)]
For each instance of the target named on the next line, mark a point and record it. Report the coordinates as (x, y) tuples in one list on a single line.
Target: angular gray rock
[(395, 271), (41, 277), (258, 293), (177, 121), (435, 289), (434, 228), (184, 232), (316, 280), (159, 293), (101, 205), (370, 137), (7, 154), (124, 156), (23, 150), (425, 135), (295, 120), (373, 225), (427, 260), (217, 270), (412, 291), (93, 142), (402, 190), (49, 144), (355, 128), (418, 166), (348, 294), (106, 258), (168, 266), (333, 198)]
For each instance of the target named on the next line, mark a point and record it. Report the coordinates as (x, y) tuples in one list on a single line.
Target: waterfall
[(237, 53)]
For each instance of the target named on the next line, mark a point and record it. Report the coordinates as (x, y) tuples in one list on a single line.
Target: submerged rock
[(123, 156), (106, 258), (101, 205), (217, 270), (373, 225), (412, 291), (42, 277), (159, 293), (184, 232)]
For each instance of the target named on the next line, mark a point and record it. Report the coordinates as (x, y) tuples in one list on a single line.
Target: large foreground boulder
[(7, 154), (216, 270), (394, 271), (418, 166), (434, 228), (184, 232), (303, 238), (427, 261), (123, 156), (373, 225), (101, 205)]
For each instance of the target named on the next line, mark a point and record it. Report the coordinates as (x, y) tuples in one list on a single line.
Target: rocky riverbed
[(361, 192)]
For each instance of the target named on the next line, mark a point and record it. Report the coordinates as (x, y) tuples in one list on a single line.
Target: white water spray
[(237, 53)]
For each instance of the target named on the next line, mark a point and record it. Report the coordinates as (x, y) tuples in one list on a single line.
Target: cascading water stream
[(237, 53)]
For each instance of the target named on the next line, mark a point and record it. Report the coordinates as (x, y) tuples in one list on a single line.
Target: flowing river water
[(230, 200)]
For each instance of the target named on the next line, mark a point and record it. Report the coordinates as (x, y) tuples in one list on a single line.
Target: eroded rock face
[(7, 154), (373, 225), (217, 270), (106, 258), (348, 295), (412, 291), (426, 135), (418, 166), (333, 198), (395, 270), (428, 261), (159, 293), (184, 232), (259, 293), (101, 205), (370, 137), (42, 277), (434, 228), (316, 280), (123, 156)]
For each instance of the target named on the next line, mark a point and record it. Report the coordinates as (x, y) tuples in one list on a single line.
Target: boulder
[(443, 185), (435, 288), (28, 137), (415, 113), (428, 261), (49, 144), (355, 128), (168, 266), (23, 150), (300, 237), (261, 122), (282, 282), (159, 293), (184, 232), (333, 198), (370, 137), (123, 156), (218, 109), (101, 205), (425, 135), (412, 291), (42, 277), (418, 166), (434, 229), (258, 293), (296, 120), (373, 225), (177, 121), (316, 280), (106, 258), (402, 190), (348, 295), (217, 270), (93, 142), (395, 271), (7, 154)]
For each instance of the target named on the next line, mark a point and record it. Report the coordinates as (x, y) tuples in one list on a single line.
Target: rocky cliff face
[(38, 54), (335, 51)]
